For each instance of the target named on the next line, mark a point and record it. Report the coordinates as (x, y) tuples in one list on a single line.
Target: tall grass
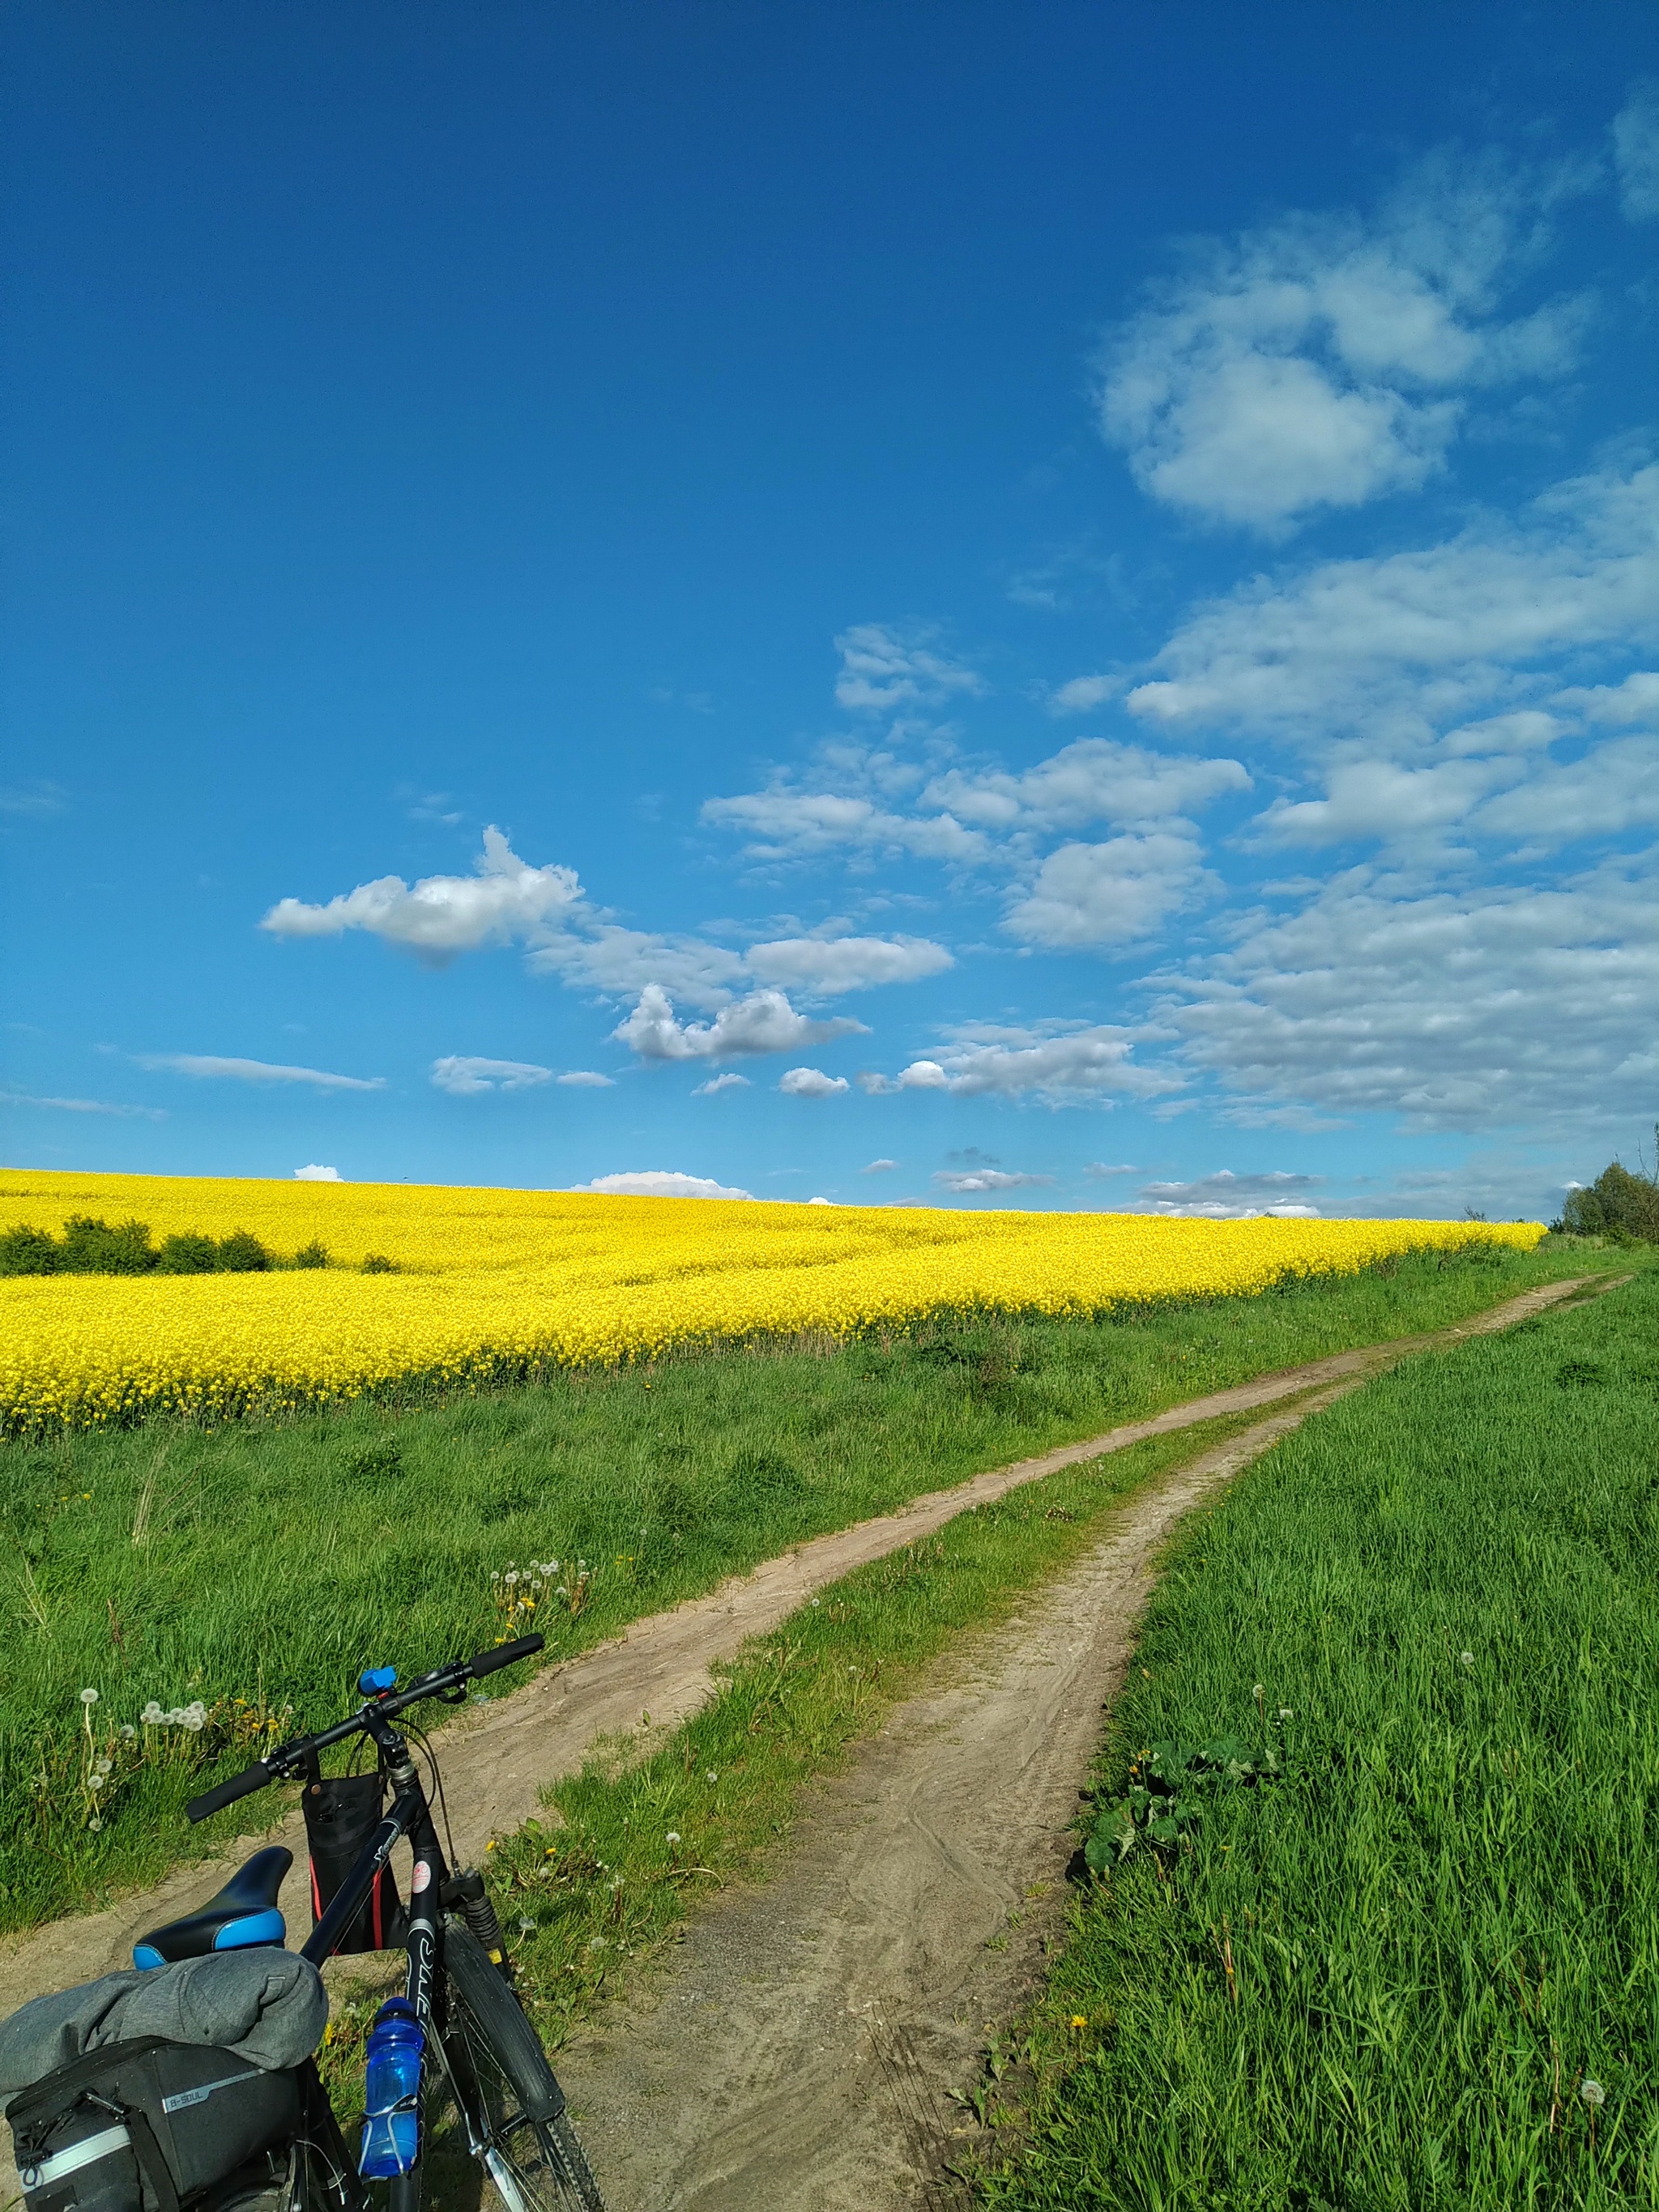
[(1419, 1969), (271, 1561)]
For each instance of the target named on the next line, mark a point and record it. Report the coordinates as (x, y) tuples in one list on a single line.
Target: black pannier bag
[(149, 2125), (342, 1812)]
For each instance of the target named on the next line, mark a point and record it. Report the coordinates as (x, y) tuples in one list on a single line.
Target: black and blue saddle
[(243, 1913)]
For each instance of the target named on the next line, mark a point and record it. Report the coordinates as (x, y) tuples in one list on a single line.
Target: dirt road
[(495, 1764)]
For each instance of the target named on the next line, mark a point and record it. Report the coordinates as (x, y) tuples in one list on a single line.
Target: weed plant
[(1420, 1968), (271, 1561)]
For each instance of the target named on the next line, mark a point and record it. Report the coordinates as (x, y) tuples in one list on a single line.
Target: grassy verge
[(1416, 1968), (628, 1849), (240, 1576)]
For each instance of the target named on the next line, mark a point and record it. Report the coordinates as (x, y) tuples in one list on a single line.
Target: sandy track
[(495, 1764), (801, 2051)]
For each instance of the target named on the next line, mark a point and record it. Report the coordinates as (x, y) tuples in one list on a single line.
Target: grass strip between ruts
[(633, 1844), (1419, 1968)]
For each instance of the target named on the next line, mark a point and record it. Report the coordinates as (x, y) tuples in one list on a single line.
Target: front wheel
[(511, 2104)]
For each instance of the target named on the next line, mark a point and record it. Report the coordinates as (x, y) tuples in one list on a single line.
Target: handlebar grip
[(503, 1655), (240, 1785)]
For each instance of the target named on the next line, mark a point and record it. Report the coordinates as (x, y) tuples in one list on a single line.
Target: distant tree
[(1618, 1203), (187, 1253), (242, 1254)]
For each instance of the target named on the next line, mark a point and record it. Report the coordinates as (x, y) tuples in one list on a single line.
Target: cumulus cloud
[(585, 1078), (1060, 1063), (1083, 694), (503, 900), (1636, 153), (811, 1082), (827, 965), (764, 1022), (1226, 1196), (316, 1172), (256, 1071), (1093, 781), (883, 668), (1315, 363), (730, 1081), (1475, 1010), (967, 1181), (618, 962), (1633, 703), (466, 1078), (1109, 894), (879, 1167), (660, 1182), (1403, 646), (782, 822)]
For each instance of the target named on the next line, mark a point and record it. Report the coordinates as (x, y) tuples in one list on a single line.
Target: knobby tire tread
[(544, 2154)]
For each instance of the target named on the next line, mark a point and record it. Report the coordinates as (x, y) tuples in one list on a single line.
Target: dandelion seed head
[(88, 1697), (1593, 2093)]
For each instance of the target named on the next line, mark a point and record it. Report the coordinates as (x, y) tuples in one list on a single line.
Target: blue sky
[(992, 605)]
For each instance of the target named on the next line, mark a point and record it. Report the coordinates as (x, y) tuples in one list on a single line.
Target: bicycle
[(459, 1980)]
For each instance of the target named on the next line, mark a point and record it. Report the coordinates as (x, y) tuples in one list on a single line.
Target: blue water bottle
[(391, 2124)]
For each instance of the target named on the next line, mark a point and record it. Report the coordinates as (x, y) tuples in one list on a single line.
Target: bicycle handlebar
[(277, 1764)]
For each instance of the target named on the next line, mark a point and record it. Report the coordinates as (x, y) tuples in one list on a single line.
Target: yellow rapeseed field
[(496, 1284)]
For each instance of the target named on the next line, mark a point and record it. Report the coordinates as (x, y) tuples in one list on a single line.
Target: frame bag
[(152, 2126), (342, 1812)]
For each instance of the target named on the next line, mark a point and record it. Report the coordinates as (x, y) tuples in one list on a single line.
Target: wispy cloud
[(84, 1106), (210, 1065), (463, 1077), (971, 1182), (730, 1081)]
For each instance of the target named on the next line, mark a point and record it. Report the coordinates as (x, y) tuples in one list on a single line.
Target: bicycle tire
[(496, 2061)]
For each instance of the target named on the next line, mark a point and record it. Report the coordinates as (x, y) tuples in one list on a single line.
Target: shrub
[(313, 1254), (242, 1254), (376, 1263), (187, 1254), (92, 1247), (25, 1251)]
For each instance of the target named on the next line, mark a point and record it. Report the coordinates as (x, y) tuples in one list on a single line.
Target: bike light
[(375, 1681)]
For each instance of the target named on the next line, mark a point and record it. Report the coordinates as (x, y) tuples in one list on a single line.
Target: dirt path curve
[(800, 2053), (495, 1764)]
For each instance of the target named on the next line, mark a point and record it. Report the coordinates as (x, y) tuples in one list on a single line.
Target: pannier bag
[(342, 1812), (148, 2125)]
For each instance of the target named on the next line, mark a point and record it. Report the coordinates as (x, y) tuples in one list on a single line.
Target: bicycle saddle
[(244, 1912)]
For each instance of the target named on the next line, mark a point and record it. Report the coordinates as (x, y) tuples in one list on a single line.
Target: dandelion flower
[(88, 1697), (673, 1835), (1079, 2019), (95, 1782), (1467, 1657), (711, 1777), (1593, 2093)]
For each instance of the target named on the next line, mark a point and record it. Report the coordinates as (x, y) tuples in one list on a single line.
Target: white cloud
[(1621, 705), (1492, 1006), (1373, 798), (1060, 1064), (879, 1167), (660, 1182), (586, 1079), (38, 798), (811, 1082), (620, 963), (315, 1172), (1226, 1196), (1303, 366), (782, 822), (763, 1022), (466, 1078), (975, 1180), (1099, 1171), (1636, 153), (504, 899), (1398, 649), (84, 1106), (1109, 894), (1093, 781), (827, 965), (883, 668), (256, 1071), (1613, 787), (820, 1202), (730, 1081), (1084, 693)]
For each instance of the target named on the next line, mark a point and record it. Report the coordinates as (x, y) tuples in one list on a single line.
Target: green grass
[(270, 1560), (1387, 1978), (631, 1846)]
